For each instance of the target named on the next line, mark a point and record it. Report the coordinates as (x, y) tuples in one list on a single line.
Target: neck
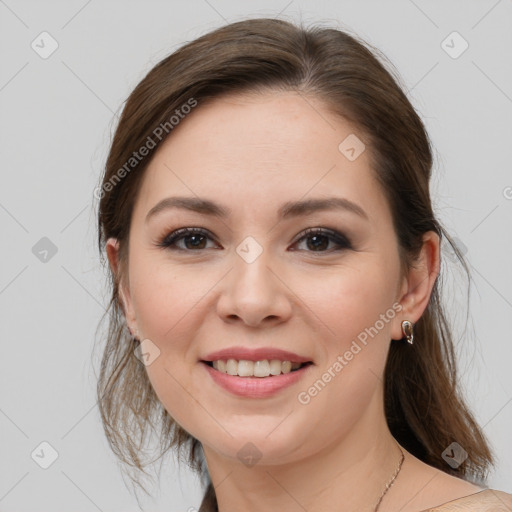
[(351, 472)]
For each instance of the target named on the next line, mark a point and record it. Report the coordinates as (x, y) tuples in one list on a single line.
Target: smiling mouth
[(261, 369)]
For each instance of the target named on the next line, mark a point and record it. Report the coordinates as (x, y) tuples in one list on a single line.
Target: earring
[(407, 331), (135, 338)]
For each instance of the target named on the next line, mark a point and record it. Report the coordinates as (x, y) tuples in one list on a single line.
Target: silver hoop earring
[(407, 331)]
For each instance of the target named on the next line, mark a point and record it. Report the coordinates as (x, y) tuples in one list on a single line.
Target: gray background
[(57, 116)]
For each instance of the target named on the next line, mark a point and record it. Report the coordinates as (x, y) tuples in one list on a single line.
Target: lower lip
[(255, 387)]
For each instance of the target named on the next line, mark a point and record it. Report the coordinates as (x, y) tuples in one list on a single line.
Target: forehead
[(258, 151)]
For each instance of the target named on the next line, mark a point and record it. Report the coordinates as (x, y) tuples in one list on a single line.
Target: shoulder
[(488, 500)]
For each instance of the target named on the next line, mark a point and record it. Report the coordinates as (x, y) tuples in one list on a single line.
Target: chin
[(255, 445)]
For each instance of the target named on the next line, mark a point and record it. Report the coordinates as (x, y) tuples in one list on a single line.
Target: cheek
[(166, 299), (169, 309), (356, 307), (171, 305), (351, 300)]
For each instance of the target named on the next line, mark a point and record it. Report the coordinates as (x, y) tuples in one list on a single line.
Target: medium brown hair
[(424, 406)]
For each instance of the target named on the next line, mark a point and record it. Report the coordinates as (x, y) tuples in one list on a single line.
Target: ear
[(417, 285), (112, 248)]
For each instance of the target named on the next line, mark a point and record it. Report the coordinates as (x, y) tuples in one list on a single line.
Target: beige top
[(488, 500)]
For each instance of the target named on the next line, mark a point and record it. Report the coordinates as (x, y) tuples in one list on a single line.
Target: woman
[(275, 259)]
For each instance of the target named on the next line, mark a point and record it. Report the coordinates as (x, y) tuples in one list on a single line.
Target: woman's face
[(253, 279)]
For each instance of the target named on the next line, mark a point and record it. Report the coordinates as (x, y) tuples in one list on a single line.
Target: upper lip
[(255, 354)]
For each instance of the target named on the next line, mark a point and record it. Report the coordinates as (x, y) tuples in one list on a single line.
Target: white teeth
[(261, 368), (245, 368), (275, 367), (264, 368), (231, 367)]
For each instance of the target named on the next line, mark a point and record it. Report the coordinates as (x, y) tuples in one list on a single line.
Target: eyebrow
[(287, 210)]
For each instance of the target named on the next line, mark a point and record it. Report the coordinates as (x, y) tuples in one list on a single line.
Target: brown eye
[(318, 240), (193, 239)]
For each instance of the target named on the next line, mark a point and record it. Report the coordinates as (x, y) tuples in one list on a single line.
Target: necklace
[(390, 483)]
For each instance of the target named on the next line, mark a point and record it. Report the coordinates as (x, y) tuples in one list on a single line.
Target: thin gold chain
[(390, 483)]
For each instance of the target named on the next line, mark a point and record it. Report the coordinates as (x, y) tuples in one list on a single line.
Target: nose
[(254, 294)]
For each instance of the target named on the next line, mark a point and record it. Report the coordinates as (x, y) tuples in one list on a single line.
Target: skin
[(251, 153)]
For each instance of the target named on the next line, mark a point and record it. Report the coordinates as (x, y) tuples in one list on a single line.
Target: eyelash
[(180, 234)]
